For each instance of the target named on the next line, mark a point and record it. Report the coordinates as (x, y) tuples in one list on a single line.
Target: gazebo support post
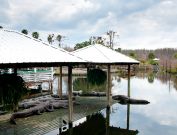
[(60, 83), (128, 94), (51, 88), (15, 71), (109, 88), (70, 95)]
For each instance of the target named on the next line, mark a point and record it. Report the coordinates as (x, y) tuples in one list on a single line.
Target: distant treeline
[(166, 55)]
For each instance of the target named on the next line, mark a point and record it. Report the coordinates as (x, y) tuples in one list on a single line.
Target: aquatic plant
[(12, 89), (96, 76)]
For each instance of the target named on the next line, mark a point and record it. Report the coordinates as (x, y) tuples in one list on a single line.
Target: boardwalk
[(41, 124)]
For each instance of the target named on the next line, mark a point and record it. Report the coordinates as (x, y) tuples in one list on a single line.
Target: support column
[(128, 94), (107, 120), (109, 88), (51, 87), (60, 83), (70, 95), (15, 71)]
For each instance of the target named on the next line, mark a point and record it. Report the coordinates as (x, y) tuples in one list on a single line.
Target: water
[(157, 118)]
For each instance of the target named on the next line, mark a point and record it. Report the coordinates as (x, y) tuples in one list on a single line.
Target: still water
[(157, 118)]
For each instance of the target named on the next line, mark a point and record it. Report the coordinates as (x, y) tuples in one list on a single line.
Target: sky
[(139, 24)]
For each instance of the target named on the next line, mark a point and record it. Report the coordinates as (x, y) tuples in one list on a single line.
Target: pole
[(109, 88), (128, 81), (60, 83), (70, 95), (15, 71), (128, 94), (107, 120)]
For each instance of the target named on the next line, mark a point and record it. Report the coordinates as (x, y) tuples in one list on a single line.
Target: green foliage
[(81, 45), (175, 56), (50, 38), (24, 31), (152, 62), (96, 76), (86, 87), (132, 54), (12, 89), (118, 49), (151, 55), (35, 35), (58, 38), (151, 78)]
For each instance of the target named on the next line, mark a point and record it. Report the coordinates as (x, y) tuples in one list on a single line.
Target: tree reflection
[(151, 77), (85, 86)]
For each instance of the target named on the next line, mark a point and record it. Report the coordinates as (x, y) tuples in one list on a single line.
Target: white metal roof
[(16, 48), (100, 54)]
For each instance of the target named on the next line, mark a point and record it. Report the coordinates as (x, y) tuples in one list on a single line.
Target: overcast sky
[(146, 24)]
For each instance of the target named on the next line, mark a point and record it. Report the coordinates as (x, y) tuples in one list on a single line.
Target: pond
[(158, 117)]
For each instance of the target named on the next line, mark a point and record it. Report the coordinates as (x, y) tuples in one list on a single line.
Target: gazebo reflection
[(98, 124)]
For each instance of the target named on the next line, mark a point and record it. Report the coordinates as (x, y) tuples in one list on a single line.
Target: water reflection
[(159, 117), (85, 86), (99, 124)]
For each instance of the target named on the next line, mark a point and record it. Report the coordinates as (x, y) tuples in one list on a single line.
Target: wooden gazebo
[(21, 51)]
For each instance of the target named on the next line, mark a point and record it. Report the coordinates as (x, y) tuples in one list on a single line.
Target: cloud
[(140, 24)]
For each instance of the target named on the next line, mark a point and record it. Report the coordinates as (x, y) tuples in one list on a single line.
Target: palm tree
[(50, 38), (35, 35), (58, 38), (24, 31)]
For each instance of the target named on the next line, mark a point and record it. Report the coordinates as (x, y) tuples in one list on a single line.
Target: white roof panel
[(101, 54), (16, 47)]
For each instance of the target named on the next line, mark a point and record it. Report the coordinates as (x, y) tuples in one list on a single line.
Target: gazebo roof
[(17, 49), (100, 54)]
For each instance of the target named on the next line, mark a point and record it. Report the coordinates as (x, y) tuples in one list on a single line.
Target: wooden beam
[(70, 95), (15, 71), (60, 83), (109, 87), (128, 94), (128, 116), (107, 121)]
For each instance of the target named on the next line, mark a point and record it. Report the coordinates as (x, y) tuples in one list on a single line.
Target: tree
[(151, 55), (12, 89), (175, 56), (96, 40), (1, 27), (35, 35), (132, 54), (50, 38), (58, 38), (118, 49), (24, 31), (111, 35), (81, 45)]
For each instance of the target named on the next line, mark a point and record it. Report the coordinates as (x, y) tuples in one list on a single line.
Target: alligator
[(122, 99), (38, 109)]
